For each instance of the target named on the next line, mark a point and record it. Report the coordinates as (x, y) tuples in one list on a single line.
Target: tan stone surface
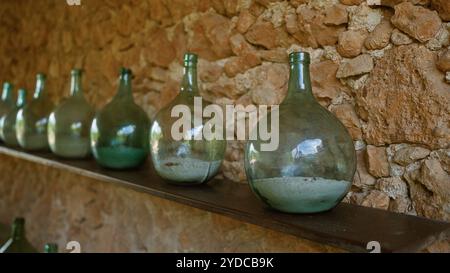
[(347, 115), (442, 7), (380, 36), (351, 2), (393, 3), (377, 161), (350, 43), (406, 100), (356, 66), (263, 34), (326, 87), (336, 15), (443, 62), (410, 154), (246, 19), (400, 38), (420, 23), (430, 190), (376, 199), (309, 29)]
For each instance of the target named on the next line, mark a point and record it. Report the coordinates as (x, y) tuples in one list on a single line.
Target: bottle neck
[(75, 85), (125, 86), (7, 95), (21, 98), (189, 82), (40, 88), (18, 231), (299, 82)]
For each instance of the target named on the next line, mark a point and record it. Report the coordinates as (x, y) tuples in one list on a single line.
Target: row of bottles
[(311, 171), (18, 242)]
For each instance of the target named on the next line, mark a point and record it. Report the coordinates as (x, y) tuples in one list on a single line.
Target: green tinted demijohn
[(8, 121), (313, 167), (119, 132), (31, 122), (70, 122), (18, 243), (7, 101), (184, 161)]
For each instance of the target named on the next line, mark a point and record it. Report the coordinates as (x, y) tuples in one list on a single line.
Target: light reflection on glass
[(76, 127), (307, 147)]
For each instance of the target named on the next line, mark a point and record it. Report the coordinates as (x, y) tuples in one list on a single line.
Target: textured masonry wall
[(382, 67)]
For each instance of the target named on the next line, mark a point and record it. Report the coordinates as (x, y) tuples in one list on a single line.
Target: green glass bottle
[(70, 122), (119, 132), (31, 122), (312, 169), (192, 159), (18, 243), (51, 248), (6, 102), (8, 121)]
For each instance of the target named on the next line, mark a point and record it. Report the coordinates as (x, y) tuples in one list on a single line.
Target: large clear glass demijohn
[(312, 169), (193, 159), (119, 132), (69, 124), (32, 119)]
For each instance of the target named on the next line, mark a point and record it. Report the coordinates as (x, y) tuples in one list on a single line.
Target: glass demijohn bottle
[(31, 122), (8, 121), (69, 124), (313, 167), (190, 160), (119, 132), (18, 243)]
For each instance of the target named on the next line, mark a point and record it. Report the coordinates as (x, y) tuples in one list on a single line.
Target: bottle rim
[(41, 76), (19, 221), (190, 58), (299, 57), (125, 71), (76, 71), (7, 85)]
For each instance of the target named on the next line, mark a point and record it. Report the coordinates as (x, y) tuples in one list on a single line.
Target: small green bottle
[(31, 122), (51, 248), (69, 124), (119, 132), (8, 121), (187, 161), (18, 243)]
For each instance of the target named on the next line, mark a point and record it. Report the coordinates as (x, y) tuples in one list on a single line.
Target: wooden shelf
[(347, 226)]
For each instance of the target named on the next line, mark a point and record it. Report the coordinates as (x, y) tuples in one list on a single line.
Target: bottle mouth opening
[(299, 57), (40, 76), (125, 71), (19, 220), (76, 71), (190, 59)]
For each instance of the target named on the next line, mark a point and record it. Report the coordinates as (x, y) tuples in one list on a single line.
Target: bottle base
[(301, 194)]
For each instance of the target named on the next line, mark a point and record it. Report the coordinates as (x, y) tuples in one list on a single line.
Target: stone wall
[(381, 66)]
